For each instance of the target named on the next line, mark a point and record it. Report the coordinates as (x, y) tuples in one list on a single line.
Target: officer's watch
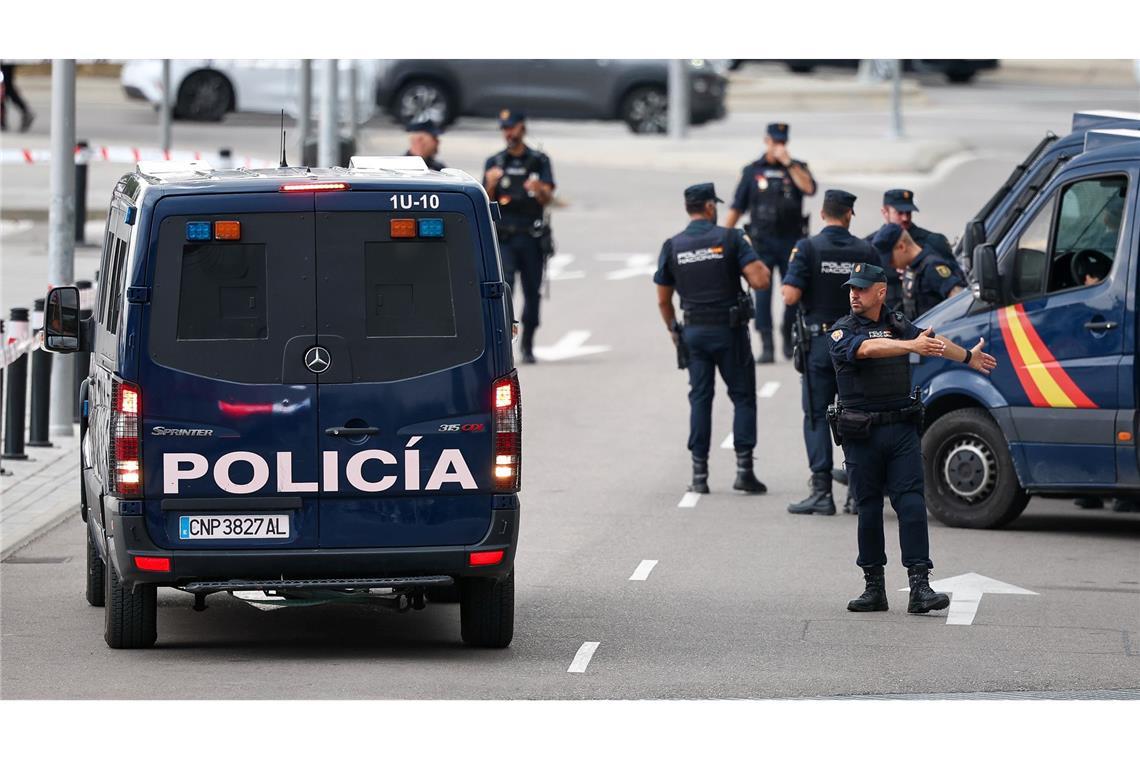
[(969, 356)]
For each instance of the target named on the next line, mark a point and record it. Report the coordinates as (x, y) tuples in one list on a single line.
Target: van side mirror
[(987, 281), (975, 234), (61, 320)]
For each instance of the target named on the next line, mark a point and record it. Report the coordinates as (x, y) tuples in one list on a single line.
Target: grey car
[(632, 90)]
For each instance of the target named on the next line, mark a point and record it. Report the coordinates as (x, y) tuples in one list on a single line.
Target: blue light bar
[(199, 230), (431, 228)]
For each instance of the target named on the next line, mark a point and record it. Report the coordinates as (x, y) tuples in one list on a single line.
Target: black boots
[(700, 482), (874, 597), (819, 502), (767, 350), (526, 344), (923, 599), (745, 478)]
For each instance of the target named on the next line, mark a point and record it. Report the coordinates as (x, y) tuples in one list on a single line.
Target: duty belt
[(910, 414), (707, 318), (817, 330)]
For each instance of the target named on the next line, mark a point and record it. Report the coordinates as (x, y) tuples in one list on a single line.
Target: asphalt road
[(744, 600)]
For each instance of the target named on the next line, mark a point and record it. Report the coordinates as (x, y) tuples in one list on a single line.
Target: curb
[(54, 520)]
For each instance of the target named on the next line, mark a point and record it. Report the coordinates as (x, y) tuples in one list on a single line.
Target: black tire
[(961, 76), (970, 480), (423, 100), (130, 618), (204, 96), (645, 110), (444, 594), (96, 573), (801, 68), (487, 611)]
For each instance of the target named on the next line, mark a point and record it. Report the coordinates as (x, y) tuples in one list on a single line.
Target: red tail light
[(507, 415), (126, 431), (314, 187), (482, 559), (153, 564)]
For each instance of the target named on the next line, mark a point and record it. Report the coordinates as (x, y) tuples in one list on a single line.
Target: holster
[(682, 349), (833, 423)]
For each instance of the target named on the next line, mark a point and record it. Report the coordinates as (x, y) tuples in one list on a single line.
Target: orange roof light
[(227, 230), (403, 228)]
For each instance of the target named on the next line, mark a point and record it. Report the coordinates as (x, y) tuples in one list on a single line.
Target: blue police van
[(301, 388), (1055, 298)]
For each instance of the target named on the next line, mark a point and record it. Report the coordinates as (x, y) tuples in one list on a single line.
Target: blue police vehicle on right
[(1055, 298)]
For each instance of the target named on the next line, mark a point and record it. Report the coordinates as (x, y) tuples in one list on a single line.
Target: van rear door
[(405, 403), (229, 408)]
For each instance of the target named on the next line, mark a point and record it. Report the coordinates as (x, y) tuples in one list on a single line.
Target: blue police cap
[(840, 197), (509, 118), (866, 275), (886, 238), (701, 193), (900, 200), (778, 131), (427, 125)]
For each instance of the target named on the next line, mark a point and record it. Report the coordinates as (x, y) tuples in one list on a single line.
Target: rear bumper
[(127, 539)]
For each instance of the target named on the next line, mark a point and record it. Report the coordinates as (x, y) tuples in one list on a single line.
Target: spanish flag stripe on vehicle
[(1044, 380)]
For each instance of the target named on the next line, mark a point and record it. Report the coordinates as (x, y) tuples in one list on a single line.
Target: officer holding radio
[(704, 264), (522, 181), (877, 421)]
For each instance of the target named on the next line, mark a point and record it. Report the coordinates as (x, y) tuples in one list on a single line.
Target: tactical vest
[(876, 385), (825, 298), (775, 203), (512, 196), (704, 266)]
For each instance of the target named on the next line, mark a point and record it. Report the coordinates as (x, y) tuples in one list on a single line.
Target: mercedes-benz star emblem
[(317, 359)]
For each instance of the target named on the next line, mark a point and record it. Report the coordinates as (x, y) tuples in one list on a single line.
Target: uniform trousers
[(727, 350)]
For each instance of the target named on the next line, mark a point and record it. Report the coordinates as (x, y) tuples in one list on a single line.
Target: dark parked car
[(959, 71), (631, 90)]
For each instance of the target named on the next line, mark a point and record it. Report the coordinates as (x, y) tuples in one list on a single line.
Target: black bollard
[(38, 424), (81, 157), (15, 404), (82, 358)]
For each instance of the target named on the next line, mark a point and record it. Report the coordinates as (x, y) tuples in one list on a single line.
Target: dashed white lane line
[(582, 659), (768, 389), (727, 443), (643, 570), (689, 500)]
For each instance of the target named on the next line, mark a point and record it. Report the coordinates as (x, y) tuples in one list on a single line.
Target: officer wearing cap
[(704, 264), (878, 422), (423, 141), (522, 181), (817, 267), (928, 278), (771, 191), (898, 208)]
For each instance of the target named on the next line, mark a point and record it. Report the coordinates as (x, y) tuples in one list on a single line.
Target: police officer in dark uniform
[(898, 208), (423, 141), (818, 267), (704, 264), (928, 279), (522, 181), (771, 191), (878, 421)]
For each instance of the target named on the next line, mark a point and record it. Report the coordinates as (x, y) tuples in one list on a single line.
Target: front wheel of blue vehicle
[(970, 480), (130, 617), (487, 611)]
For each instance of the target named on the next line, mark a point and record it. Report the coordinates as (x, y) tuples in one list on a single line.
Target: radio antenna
[(284, 163)]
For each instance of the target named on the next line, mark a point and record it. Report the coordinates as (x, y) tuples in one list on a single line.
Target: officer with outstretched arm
[(704, 264), (878, 421)]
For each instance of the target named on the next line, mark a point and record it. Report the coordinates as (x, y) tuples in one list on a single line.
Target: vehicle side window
[(104, 276), (222, 292), (1087, 232), (1030, 254), (114, 284)]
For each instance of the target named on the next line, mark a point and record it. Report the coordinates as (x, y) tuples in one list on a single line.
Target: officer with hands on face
[(704, 264), (928, 279), (818, 267), (878, 422), (423, 141), (522, 181), (771, 190)]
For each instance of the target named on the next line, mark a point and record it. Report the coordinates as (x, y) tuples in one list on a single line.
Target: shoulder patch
[(792, 255), (836, 335), (943, 270)]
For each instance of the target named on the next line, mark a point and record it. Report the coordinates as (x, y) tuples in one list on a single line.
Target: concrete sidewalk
[(40, 492)]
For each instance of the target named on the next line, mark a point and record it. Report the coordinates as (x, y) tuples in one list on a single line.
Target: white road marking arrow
[(582, 658), (570, 346), (635, 265), (556, 268), (966, 594), (768, 389)]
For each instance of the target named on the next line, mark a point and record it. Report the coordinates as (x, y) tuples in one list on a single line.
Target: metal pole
[(896, 132), (678, 98), (61, 224), (167, 105), (353, 104), (305, 123), (327, 147), (41, 385)]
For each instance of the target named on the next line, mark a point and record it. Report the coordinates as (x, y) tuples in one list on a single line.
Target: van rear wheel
[(96, 574), (130, 617), (970, 481), (487, 611)]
